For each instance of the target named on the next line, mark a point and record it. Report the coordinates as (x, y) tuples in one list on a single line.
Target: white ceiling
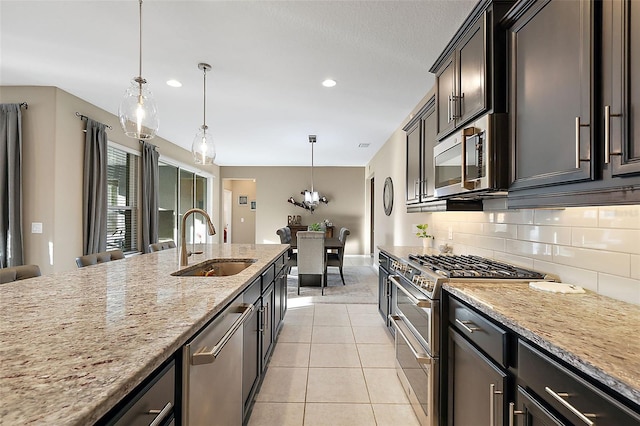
[(264, 95)]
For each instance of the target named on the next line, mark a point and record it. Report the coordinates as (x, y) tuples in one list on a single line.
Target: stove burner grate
[(469, 266)]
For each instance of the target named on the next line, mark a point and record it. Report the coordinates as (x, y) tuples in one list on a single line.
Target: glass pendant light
[(202, 148), (138, 112)]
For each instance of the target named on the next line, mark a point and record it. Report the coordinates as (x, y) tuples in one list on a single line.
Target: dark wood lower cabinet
[(476, 386), (528, 411)]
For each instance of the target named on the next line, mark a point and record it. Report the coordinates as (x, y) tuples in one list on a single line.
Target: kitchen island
[(73, 344)]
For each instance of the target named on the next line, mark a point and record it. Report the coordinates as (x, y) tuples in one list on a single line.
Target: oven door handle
[(421, 303), (421, 357)]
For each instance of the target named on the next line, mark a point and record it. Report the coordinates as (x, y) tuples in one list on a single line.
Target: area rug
[(361, 286)]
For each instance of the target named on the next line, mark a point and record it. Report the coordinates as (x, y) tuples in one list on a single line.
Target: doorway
[(227, 215), (241, 206), (372, 244)]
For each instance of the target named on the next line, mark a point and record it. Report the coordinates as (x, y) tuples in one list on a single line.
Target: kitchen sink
[(215, 268)]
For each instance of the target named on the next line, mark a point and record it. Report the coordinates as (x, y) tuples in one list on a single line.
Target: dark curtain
[(149, 195), (11, 253), (94, 216)]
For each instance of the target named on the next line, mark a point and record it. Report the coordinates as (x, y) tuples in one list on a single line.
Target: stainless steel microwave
[(474, 160)]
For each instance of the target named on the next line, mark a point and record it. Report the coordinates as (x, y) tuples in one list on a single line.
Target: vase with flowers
[(424, 235)]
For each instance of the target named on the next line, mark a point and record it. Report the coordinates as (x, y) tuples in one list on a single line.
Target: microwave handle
[(469, 131)]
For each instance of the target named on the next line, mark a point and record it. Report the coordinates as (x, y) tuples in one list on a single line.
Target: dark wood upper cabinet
[(420, 133), (470, 72), (551, 74), (621, 91), (574, 73)]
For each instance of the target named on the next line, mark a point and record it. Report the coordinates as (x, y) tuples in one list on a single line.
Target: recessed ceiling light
[(174, 83), (329, 83), (363, 145)]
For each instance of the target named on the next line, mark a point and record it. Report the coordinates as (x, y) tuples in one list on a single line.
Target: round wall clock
[(387, 196)]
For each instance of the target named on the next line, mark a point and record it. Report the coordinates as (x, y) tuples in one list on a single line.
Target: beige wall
[(594, 247), (53, 147), (343, 186)]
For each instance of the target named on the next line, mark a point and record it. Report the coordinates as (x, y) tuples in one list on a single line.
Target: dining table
[(329, 244)]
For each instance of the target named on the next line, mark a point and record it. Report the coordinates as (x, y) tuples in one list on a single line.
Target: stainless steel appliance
[(473, 161), (416, 286), (212, 370)]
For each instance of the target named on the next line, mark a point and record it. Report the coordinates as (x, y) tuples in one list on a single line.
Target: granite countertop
[(595, 334), (399, 252), (73, 344)]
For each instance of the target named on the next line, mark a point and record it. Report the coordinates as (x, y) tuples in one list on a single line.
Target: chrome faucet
[(184, 254)]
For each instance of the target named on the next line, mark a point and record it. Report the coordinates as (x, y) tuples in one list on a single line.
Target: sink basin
[(215, 268)]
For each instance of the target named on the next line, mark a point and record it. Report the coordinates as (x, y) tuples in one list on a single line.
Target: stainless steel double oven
[(416, 318)]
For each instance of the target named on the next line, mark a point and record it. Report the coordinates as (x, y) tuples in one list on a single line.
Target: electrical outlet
[(36, 227), (451, 233)]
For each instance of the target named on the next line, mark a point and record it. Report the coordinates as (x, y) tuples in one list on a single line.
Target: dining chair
[(17, 273), (162, 246), (311, 256), (285, 238), (102, 257), (337, 259)]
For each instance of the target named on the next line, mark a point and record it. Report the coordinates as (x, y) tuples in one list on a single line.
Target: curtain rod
[(24, 104), (84, 117)]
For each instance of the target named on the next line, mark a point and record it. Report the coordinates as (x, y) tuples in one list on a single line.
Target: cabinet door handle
[(161, 414), (558, 396), (607, 133), (465, 324), (578, 125), (449, 109), (262, 320), (205, 356), (512, 413), (492, 403)]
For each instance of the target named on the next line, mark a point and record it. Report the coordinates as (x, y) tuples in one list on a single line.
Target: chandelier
[(202, 148), (138, 112), (311, 198)]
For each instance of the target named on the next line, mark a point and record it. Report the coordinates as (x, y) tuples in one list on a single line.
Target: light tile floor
[(333, 365)]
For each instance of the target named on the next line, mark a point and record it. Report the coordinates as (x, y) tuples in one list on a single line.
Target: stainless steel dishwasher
[(212, 370)]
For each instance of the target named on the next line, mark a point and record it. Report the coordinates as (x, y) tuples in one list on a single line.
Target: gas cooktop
[(469, 266)]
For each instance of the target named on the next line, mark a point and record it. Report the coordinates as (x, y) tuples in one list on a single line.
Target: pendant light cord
[(140, 45), (312, 143), (204, 99)]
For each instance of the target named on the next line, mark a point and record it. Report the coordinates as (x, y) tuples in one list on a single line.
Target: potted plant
[(315, 227), (422, 233)]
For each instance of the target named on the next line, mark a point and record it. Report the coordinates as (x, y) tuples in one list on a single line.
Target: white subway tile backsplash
[(635, 267), (627, 217), (594, 247), (594, 260), (545, 234), (578, 216), (622, 240), (569, 274), (530, 249), (619, 288), (503, 230)]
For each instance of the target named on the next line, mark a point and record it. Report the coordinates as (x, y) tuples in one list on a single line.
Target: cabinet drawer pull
[(160, 414), (205, 356), (492, 403), (465, 325), (559, 396), (512, 413)]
